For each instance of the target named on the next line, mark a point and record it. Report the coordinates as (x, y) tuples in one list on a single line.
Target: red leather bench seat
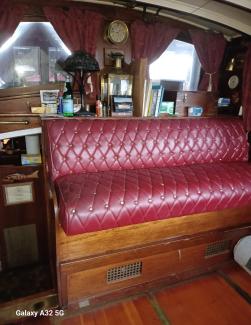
[(103, 200), (111, 173)]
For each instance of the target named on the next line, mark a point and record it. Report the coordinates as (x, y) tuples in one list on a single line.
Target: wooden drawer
[(108, 278), (10, 123), (92, 278)]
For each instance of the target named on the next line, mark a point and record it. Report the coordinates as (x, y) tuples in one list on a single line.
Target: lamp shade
[(80, 61)]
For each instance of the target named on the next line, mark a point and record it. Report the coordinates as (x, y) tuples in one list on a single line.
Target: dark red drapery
[(210, 48), (246, 90), (10, 17), (150, 40), (78, 28)]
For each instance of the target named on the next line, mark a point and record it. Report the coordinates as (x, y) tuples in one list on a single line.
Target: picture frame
[(18, 193), (49, 100), (49, 96)]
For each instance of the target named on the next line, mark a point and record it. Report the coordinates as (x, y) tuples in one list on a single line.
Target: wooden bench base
[(96, 265)]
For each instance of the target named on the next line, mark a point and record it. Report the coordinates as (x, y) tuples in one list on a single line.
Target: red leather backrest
[(91, 145)]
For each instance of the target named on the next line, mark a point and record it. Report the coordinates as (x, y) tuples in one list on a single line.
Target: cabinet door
[(23, 226), (207, 100)]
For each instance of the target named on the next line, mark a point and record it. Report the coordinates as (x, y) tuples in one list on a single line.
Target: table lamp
[(80, 65)]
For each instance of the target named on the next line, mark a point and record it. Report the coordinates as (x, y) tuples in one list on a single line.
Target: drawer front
[(105, 279), (14, 123)]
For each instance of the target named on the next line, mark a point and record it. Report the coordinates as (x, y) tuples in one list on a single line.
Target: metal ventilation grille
[(124, 272), (217, 248)]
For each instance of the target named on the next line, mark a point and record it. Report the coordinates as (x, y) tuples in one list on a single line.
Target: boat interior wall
[(222, 16)]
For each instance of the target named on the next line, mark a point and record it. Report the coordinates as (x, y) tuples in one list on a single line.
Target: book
[(159, 100), (147, 96), (118, 114)]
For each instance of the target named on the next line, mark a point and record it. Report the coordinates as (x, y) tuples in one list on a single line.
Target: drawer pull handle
[(15, 122)]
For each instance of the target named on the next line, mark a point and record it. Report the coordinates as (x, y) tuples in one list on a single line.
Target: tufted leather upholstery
[(111, 173), (103, 200), (91, 145)]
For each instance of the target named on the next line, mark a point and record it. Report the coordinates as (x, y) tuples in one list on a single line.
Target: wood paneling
[(19, 100), (166, 261), (207, 100), (72, 247), (93, 281), (25, 213), (18, 122)]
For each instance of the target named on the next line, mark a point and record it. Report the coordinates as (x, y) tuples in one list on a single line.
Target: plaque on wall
[(18, 193)]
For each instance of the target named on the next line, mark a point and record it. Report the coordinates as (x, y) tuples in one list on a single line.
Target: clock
[(233, 82), (117, 32)]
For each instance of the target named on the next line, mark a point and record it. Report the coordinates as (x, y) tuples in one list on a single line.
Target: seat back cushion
[(90, 145)]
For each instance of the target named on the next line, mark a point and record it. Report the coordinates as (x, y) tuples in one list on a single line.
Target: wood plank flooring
[(211, 299), (208, 300)]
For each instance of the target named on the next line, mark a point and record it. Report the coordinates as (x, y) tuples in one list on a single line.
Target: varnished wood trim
[(153, 249), (103, 242)]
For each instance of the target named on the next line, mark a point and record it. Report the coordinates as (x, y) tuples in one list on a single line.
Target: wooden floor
[(218, 298)]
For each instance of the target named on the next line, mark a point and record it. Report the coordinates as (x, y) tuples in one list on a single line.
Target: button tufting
[(206, 182)]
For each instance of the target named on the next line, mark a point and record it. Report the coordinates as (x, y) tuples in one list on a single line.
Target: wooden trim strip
[(244, 294), (86, 245)]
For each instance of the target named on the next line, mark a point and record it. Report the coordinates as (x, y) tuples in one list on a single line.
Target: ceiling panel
[(211, 14), (241, 3)]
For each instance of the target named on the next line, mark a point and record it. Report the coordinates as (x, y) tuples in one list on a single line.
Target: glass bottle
[(98, 106), (68, 109)]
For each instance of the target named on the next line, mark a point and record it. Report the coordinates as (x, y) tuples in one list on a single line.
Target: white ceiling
[(226, 16)]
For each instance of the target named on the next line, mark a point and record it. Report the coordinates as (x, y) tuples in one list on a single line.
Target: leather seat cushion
[(103, 200)]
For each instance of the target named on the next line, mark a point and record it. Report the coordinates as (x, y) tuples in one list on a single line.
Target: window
[(180, 64), (29, 57)]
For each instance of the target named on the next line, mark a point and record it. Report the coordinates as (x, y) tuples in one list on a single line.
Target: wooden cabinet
[(23, 230), (9, 123), (185, 99), (26, 266)]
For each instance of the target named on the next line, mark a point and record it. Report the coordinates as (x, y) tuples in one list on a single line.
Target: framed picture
[(107, 55), (49, 96), (18, 193), (49, 99)]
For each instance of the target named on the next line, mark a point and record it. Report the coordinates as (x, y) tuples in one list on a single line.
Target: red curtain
[(78, 28), (246, 90), (210, 48), (150, 40), (10, 17)]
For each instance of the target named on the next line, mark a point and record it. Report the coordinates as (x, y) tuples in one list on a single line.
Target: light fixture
[(231, 65), (80, 65)]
